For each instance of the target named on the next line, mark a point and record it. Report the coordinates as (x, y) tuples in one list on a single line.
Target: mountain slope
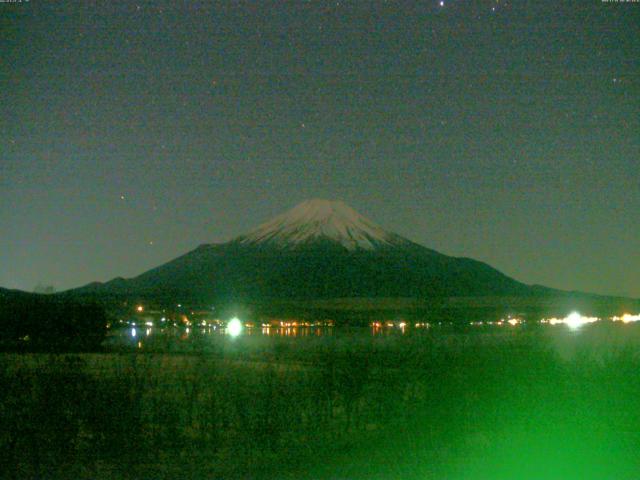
[(319, 249)]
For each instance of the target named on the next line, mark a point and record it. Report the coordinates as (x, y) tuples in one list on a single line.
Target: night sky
[(504, 131)]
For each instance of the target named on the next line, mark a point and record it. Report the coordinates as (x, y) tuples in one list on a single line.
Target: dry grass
[(337, 408)]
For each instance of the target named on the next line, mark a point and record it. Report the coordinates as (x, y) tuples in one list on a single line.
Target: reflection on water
[(293, 331), (567, 336), (139, 337)]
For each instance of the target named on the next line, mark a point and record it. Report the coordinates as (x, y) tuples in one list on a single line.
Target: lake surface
[(600, 338)]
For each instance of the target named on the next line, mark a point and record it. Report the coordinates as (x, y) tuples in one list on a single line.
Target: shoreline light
[(513, 321), (234, 327), (627, 318), (574, 320)]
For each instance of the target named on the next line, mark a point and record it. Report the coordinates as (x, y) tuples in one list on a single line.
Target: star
[(441, 3), (121, 197)]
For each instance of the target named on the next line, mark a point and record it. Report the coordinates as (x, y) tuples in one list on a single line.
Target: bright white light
[(133, 332), (149, 324), (574, 320), (234, 327)]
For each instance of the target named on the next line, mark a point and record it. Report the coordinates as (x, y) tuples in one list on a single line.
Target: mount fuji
[(319, 249)]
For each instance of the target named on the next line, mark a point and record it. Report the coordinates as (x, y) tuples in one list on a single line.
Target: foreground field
[(334, 408)]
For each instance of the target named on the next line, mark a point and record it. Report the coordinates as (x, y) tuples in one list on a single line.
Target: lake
[(567, 340)]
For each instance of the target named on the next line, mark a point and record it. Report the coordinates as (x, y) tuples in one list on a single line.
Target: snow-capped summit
[(319, 219)]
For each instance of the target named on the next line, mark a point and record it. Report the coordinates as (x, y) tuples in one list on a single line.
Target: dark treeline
[(32, 322)]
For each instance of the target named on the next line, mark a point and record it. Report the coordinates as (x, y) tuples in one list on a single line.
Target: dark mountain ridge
[(320, 249), (319, 270)]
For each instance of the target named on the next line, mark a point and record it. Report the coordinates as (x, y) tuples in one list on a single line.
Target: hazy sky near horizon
[(506, 131)]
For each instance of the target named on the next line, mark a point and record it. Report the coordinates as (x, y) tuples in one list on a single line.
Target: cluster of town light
[(235, 327), (574, 320), (627, 318)]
